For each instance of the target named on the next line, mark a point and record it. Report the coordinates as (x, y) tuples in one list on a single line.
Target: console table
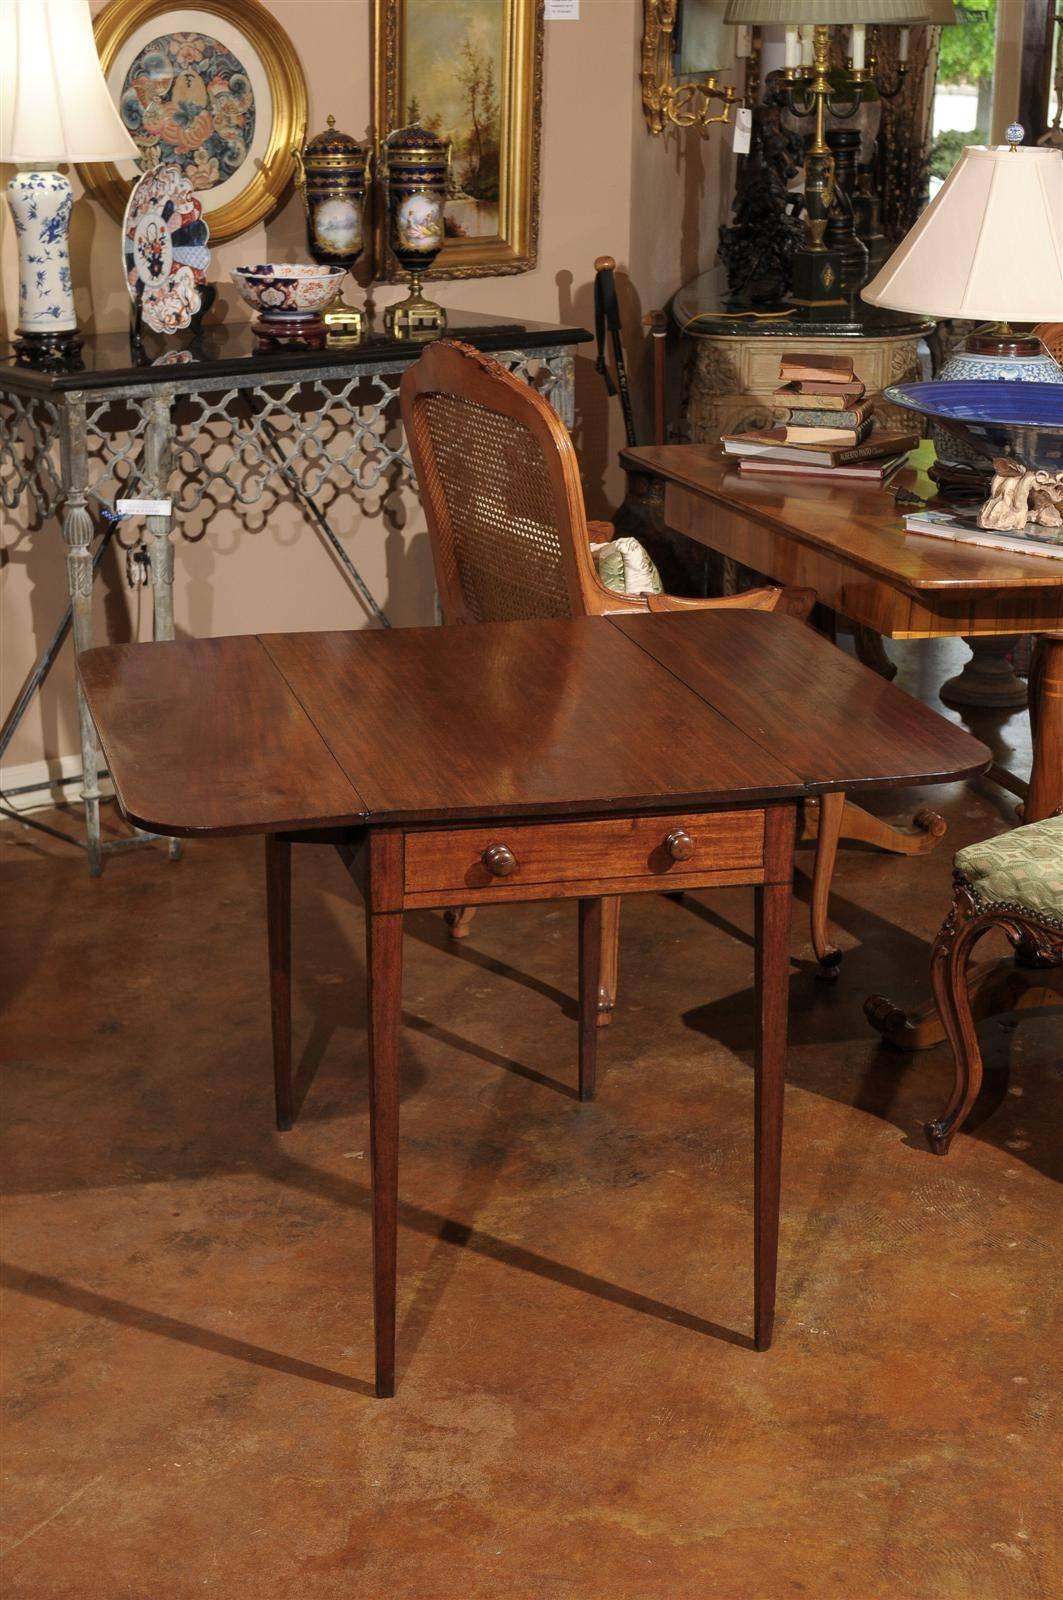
[(221, 420)]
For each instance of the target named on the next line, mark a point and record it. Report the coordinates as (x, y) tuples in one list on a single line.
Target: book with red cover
[(806, 368), (821, 396)]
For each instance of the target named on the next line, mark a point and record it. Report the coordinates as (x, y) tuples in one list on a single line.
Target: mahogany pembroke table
[(567, 758)]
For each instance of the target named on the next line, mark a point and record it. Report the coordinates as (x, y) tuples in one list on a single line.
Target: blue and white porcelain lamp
[(988, 248), (55, 108)]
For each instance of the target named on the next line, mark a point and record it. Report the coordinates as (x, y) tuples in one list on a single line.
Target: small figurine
[(1021, 497)]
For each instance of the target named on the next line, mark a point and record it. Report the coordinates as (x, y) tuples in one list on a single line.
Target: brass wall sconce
[(666, 102)]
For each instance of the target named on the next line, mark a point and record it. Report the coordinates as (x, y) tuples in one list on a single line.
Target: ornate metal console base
[(211, 432)]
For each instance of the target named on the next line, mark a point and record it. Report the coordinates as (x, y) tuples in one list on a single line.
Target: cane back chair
[(510, 539)]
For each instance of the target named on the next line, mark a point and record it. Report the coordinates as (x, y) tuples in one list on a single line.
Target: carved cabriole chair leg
[(960, 932), (968, 920), (609, 969), (831, 811)]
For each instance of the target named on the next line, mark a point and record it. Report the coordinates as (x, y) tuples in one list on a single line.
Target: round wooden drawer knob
[(679, 844), (500, 860)]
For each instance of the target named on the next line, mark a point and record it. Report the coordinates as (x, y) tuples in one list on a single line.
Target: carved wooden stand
[(1036, 942)]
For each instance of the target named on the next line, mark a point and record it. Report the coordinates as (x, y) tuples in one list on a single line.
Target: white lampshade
[(840, 13), (54, 103), (988, 247)]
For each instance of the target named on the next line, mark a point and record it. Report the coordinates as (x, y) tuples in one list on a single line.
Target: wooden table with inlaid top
[(565, 759), (847, 541)]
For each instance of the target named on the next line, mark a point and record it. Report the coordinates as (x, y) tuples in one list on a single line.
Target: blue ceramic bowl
[(997, 418)]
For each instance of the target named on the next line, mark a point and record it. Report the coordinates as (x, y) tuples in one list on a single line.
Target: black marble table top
[(231, 349), (701, 309)]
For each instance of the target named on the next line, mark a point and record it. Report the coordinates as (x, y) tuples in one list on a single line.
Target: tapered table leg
[(385, 1005), (773, 911), (590, 961), (279, 922)]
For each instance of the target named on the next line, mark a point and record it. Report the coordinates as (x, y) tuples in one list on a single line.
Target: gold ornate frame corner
[(263, 193)]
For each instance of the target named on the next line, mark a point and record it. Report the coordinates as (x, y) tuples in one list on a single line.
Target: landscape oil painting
[(454, 77), (471, 72)]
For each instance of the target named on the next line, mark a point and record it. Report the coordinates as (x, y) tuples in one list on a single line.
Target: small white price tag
[(561, 11), (743, 131), (144, 508)]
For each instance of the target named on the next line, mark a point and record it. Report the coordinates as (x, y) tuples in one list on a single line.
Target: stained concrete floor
[(579, 1414)]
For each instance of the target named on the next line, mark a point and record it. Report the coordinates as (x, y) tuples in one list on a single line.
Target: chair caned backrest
[(500, 487)]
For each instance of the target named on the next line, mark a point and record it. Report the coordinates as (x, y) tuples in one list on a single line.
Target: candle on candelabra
[(902, 47), (858, 45), (792, 57), (807, 45)]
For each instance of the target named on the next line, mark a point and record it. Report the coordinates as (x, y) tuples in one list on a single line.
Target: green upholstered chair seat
[(1022, 868)]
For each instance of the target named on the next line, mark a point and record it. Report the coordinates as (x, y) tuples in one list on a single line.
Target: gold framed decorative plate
[(215, 88), (470, 71)]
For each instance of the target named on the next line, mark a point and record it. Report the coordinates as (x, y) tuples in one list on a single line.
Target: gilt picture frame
[(214, 86), (472, 71)]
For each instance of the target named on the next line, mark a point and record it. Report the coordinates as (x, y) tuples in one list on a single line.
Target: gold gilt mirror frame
[(685, 44)]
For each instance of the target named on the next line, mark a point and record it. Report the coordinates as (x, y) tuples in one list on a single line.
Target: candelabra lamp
[(332, 172), (822, 274), (54, 108), (415, 168)]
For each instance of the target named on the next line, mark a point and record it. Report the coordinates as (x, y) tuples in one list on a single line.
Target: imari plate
[(164, 248)]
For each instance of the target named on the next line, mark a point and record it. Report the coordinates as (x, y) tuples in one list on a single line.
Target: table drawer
[(628, 852)]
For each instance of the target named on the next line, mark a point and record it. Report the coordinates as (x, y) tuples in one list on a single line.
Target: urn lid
[(415, 139), (331, 143)]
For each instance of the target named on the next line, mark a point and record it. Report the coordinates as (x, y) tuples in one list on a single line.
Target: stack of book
[(831, 430)]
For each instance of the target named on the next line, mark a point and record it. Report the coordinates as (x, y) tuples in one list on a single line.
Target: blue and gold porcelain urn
[(415, 169)]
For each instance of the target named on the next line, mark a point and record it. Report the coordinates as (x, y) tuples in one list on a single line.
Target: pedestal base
[(815, 278), (302, 331), (415, 315), (988, 679), (49, 352)]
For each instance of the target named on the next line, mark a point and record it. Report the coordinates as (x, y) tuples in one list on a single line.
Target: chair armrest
[(794, 602), (601, 532)]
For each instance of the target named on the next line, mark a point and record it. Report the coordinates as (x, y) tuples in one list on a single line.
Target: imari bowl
[(998, 417), (288, 291)]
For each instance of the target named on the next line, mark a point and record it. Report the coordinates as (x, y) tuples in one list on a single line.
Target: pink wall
[(607, 187)]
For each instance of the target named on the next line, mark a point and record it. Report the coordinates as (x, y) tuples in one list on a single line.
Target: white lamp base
[(40, 203)]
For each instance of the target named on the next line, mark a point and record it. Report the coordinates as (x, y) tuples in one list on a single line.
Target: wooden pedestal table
[(458, 765), (848, 542)]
